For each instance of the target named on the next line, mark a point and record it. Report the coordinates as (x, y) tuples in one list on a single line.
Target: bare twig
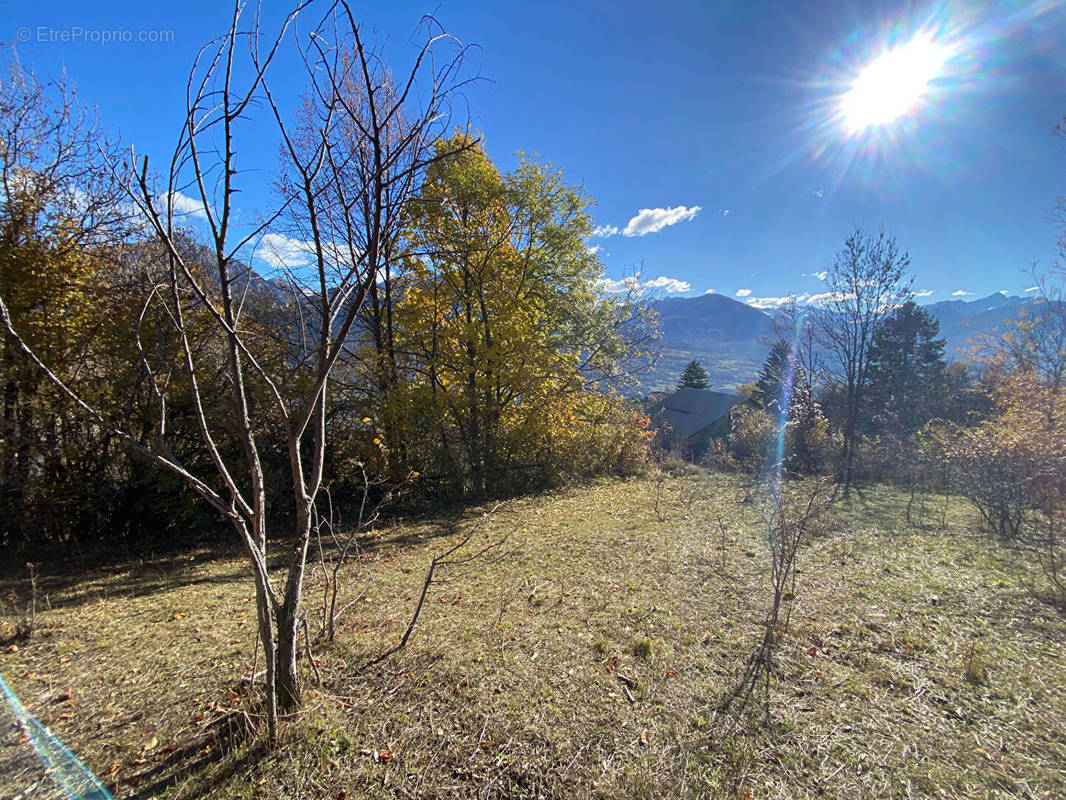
[(441, 560)]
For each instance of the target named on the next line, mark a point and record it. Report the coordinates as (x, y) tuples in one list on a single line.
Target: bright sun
[(893, 83)]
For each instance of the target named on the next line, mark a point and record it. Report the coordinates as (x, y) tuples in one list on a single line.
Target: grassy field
[(917, 663)]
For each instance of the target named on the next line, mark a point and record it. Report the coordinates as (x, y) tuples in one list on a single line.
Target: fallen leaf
[(113, 767), (152, 744)]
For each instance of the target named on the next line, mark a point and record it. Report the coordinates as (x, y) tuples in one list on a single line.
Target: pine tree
[(906, 380), (693, 377), (774, 371), (782, 375)]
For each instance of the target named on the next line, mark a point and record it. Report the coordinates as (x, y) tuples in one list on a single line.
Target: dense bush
[(807, 447)]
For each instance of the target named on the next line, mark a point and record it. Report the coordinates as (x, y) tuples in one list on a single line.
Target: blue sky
[(731, 108)]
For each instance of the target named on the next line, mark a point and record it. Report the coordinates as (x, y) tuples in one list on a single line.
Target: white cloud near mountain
[(820, 275), (184, 205), (804, 298), (961, 293), (829, 297), (652, 220), (670, 285), (923, 293), (775, 302), (632, 283), (278, 250)]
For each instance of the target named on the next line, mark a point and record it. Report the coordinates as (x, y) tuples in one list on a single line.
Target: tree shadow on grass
[(69, 586), (201, 766)]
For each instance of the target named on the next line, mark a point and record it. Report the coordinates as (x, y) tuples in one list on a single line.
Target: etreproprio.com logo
[(76, 34)]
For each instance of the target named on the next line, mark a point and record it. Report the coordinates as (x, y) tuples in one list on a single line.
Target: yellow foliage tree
[(501, 311)]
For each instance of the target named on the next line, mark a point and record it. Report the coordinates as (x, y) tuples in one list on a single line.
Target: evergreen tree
[(907, 372), (774, 371), (779, 369), (693, 377)]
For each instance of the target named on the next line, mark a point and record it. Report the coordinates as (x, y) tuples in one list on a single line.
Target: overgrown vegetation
[(862, 391)]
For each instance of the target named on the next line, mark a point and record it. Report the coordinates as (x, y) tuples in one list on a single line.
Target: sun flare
[(893, 83)]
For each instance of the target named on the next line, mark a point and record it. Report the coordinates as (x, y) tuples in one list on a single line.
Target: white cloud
[(603, 231), (725, 212), (829, 297), (709, 291), (923, 293), (960, 293), (632, 283), (184, 205), (820, 275), (1003, 292), (819, 193), (1033, 289), (743, 292), (650, 220), (671, 285), (595, 249), (281, 251), (776, 302), (625, 285)]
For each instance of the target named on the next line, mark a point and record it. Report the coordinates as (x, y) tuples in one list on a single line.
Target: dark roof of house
[(689, 411)]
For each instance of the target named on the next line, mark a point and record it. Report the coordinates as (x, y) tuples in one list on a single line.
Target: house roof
[(689, 411)]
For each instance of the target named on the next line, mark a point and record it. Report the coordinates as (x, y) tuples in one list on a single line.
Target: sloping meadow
[(583, 653)]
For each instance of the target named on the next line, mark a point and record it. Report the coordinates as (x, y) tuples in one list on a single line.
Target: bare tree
[(866, 282), (789, 523), (351, 161)]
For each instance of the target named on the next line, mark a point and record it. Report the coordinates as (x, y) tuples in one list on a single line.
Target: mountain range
[(730, 339)]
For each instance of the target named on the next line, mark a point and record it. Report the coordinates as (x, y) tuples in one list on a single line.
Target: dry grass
[(917, 665)]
